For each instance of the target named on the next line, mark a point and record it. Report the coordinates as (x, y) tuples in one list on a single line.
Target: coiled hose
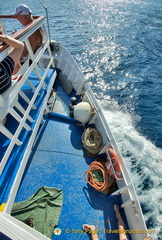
[(104, 182)]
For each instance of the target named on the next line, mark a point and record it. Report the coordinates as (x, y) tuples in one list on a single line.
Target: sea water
[(118, 45)]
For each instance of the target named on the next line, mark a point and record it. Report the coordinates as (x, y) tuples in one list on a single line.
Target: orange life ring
[(115, 162)]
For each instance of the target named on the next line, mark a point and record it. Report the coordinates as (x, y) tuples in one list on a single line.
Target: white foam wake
[(143, 160)]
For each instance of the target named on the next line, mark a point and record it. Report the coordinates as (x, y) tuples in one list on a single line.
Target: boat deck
[(58, 160), (63, 162), (59, 153)]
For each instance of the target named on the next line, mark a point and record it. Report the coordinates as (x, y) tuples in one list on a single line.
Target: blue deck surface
[(60, 162)]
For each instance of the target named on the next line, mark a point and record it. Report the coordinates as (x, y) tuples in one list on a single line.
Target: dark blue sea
[(118, 45)]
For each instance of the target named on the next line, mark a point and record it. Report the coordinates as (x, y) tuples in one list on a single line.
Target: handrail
[(12, 16), (21, 32), (12, 96), (21, 169), (24, 35), (12, 227)]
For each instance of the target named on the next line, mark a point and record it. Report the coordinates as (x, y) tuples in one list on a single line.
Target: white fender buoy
[(82, 112)]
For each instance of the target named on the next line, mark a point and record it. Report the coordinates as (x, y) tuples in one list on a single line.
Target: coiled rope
[(105, 182), (92, 141)]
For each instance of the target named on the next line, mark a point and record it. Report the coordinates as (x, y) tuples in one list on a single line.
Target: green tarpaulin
[(44, 207)]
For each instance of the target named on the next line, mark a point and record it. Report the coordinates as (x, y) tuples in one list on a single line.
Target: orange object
[(108, 181), (115, 162)]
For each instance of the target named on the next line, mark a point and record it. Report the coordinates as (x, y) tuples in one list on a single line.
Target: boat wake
[(143, 160)]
